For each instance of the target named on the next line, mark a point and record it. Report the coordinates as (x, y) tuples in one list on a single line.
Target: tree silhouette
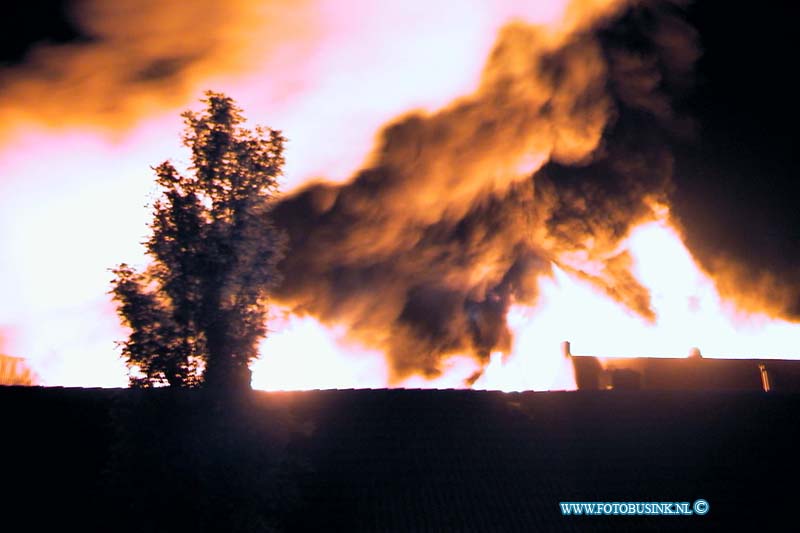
[(198, 311)]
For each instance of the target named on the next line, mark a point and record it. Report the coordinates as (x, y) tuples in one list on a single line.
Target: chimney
[(565, 350)]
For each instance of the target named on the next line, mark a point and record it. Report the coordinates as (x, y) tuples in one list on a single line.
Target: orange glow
[(14, 371), (303, 354), (78, 135), (689, 310), (689, 313), (78, 139)]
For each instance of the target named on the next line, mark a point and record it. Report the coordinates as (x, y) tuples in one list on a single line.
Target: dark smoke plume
[(564, 146), (132, 58)]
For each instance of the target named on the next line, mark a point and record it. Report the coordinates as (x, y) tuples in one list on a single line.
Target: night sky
[(26, 24), (736, 178), (737, 185), (733, 188)]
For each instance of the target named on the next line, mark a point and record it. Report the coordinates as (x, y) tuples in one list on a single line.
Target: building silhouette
[(683, 373)]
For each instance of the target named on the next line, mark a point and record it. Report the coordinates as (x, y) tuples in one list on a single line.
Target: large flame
[(690, 313), (83, 122)]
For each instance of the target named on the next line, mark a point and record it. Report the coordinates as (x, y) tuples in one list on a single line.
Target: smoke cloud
[(134, 57), (561, 150)]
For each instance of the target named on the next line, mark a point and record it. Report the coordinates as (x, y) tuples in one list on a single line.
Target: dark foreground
[(394, 460)]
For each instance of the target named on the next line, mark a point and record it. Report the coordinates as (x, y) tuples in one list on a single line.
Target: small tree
[(197, 312)]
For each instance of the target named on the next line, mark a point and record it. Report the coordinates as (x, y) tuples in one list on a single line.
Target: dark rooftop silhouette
[(395, 460)]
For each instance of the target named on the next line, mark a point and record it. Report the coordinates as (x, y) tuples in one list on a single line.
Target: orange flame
[(329, 73), (689, 313), (82, 122), (14, 371)]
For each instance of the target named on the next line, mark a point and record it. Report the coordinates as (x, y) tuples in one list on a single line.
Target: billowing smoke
[(133, 57), (563, 147), (549, 158), (737, 187)]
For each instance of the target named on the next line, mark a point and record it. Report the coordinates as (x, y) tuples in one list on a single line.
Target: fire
[(302, 354), (83, 122), (456, 247), (689, 313), (14, 371), (79, 135)]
